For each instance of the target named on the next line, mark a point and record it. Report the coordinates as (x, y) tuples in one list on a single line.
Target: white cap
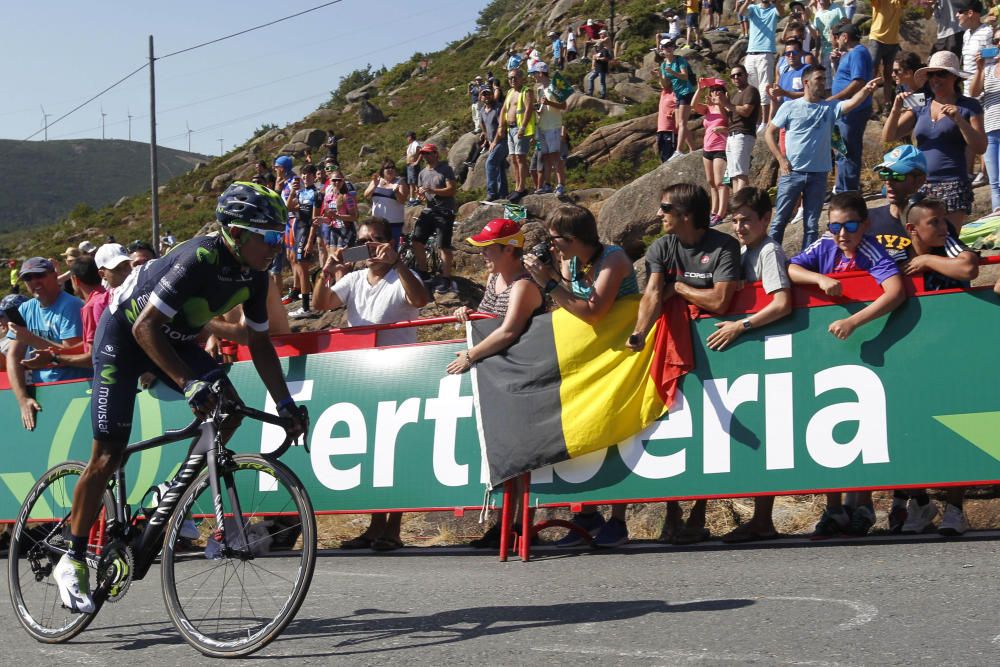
[(110, 255), (590, 21), (87, 247)]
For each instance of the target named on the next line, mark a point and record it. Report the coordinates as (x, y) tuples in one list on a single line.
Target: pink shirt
[(666, 121), (91, 312), (714, 141)]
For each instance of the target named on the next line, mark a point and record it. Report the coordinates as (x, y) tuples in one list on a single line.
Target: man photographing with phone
[(384, 293)]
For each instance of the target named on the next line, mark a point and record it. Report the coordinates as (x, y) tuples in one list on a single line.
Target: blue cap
[(283, 161), (904, 159), (35, 265), (12, 301)]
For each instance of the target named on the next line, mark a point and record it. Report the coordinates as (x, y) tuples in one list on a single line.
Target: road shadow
[(378, 630)]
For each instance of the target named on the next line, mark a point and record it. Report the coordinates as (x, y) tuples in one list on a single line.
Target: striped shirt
[(496, 303), (991, 98), (974, 41), (934, 281), (825, 256)]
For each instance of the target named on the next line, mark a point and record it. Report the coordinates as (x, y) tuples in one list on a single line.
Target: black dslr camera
[(542, 252)]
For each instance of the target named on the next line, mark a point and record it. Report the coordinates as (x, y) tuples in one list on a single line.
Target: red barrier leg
[(525, 543), (507, 509)]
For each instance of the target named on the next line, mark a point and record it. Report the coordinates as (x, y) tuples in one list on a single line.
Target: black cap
[(847, 27)]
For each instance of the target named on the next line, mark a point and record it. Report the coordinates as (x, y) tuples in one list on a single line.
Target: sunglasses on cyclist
[(850, 226), (270, 237), (889, 174)]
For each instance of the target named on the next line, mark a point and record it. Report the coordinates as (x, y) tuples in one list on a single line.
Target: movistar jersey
[(197, 280)]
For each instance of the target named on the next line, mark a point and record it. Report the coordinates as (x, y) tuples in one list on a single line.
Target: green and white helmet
[(253, 205)]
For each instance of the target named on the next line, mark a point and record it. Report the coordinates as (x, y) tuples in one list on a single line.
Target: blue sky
[(60, 53)]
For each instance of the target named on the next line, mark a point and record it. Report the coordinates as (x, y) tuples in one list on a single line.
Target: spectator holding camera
[(585, 277), (388, 192)]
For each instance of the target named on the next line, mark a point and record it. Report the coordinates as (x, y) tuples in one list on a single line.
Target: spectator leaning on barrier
[(385, 292), (903, 170), (762, 48), (848, 247), (53, 320), (585, 277), (549, 130), (744, 117), (945, 128), (763, 260), (854, 70), (701, 266), (805, 162)]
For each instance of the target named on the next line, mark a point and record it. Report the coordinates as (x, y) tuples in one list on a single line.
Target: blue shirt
[(942, 142), (763, 23), (791, 80), (681, 86), (855, 65), (60, 321), (825, 256), (808, 126), (556, 48)]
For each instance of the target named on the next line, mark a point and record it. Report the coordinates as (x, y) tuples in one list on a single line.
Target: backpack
[(560, 87)]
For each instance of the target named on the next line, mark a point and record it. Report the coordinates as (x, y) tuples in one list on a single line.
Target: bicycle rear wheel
[(39, 538), (231, 597)]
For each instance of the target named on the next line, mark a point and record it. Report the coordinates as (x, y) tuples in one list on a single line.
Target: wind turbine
[(221, 151), (189, 131), (130, 117), (45, 121), (102, 121)]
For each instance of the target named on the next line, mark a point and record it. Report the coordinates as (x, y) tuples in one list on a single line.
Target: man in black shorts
[(151, 325), (436, 186)]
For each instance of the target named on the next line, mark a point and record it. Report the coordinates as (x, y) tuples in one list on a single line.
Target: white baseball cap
[(110, 255)]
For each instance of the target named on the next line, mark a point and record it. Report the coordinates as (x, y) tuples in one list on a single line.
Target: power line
[(80, 106), (243, 32)]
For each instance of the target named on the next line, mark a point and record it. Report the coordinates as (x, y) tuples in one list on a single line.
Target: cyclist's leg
[(423, 227)]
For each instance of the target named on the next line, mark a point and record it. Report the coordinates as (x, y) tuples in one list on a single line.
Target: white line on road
[(679, 656), (864, 611)]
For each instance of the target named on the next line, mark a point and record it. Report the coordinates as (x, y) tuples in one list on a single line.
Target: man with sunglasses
[(152, 325), (903, 171), (53, 320)]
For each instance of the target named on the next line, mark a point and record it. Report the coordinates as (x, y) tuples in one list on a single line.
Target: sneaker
[(919, 518), (862, 520), (613, 533), (677, 154), (445, 285), (800, 215), (73, 579), (897, 517), (544, 190), (590, 522), (560, 190), (516, 196), (979, 180), (290, 297), (953, 523), (830, 524), (299, 312)]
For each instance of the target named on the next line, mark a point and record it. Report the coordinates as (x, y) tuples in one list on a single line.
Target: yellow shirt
[(885, 22), (692, 6)]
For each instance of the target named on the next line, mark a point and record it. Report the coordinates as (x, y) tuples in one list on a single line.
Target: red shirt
[(91, 312)]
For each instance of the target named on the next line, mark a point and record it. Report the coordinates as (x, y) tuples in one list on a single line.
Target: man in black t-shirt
[(436, 185), (701, 266), (601, 59)]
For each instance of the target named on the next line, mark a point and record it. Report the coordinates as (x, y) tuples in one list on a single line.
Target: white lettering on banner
[(718, 404), (325, 445), (575, 471), (779, 424), (446, 410), (678, 424), (272, 436), (871, 440), (387, 424)]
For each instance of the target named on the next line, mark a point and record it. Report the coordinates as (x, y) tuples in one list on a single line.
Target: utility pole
[(221, 152), (154, 195), (611, 26), (102, 122), (130, 117), (189, 131), (45, 121)]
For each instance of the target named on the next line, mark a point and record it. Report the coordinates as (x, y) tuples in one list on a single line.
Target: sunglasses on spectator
[(371, 239), (889, 174), (28, 277), (737, 74), (666, 207), (329, 167), (850, 226), (793, 52), (939, 73), (336, 180), (270, 237), (896, 70)]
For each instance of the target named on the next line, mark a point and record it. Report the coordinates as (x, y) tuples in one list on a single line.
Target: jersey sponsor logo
[(206, 256), (108, 374), (700, 276), (705, 259)]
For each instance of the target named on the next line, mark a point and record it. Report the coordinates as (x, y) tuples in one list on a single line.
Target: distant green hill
[(45, 180)]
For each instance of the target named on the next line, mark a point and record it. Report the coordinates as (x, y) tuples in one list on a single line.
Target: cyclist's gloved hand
[(299, 419), (199, 393)]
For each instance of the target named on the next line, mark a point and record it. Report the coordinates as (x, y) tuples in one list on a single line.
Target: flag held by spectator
[(567, 388)]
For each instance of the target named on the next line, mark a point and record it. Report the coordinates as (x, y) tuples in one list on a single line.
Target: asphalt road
[(877, 602)]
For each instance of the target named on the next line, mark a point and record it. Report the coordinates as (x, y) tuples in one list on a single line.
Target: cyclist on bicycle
[(437, 186), (151, 325)]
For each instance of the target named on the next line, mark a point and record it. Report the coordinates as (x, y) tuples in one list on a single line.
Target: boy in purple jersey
[(846, 247)]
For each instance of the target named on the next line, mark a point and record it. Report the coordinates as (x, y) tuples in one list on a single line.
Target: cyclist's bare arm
[(148, 333)]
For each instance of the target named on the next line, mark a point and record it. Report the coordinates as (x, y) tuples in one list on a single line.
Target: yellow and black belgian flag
[(567, 388)]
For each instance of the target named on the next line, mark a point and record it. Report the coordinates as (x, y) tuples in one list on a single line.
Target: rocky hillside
[(45, 180)]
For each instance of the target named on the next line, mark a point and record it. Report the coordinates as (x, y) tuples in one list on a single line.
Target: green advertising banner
[(905, 401)]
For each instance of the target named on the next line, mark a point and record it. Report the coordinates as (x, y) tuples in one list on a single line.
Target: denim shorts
[(517, 146), (550, 141)]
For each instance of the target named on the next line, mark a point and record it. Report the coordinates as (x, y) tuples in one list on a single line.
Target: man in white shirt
[(386, 292)]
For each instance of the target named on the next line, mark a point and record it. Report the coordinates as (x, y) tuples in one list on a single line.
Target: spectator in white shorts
[(549, 130), (762, 48), (743, 120)]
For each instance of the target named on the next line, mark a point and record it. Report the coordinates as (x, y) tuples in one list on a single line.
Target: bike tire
[(222, 623), (33, 591)]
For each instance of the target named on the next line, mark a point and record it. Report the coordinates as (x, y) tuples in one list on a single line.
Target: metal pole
[(152, 148)]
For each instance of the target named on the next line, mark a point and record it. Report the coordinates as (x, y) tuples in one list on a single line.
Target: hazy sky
[(59, 53)]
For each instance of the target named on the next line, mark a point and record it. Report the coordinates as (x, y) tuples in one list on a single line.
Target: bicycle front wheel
[(39, 538), (233, 588)]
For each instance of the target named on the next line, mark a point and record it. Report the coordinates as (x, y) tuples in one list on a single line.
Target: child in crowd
[(847, 247)]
